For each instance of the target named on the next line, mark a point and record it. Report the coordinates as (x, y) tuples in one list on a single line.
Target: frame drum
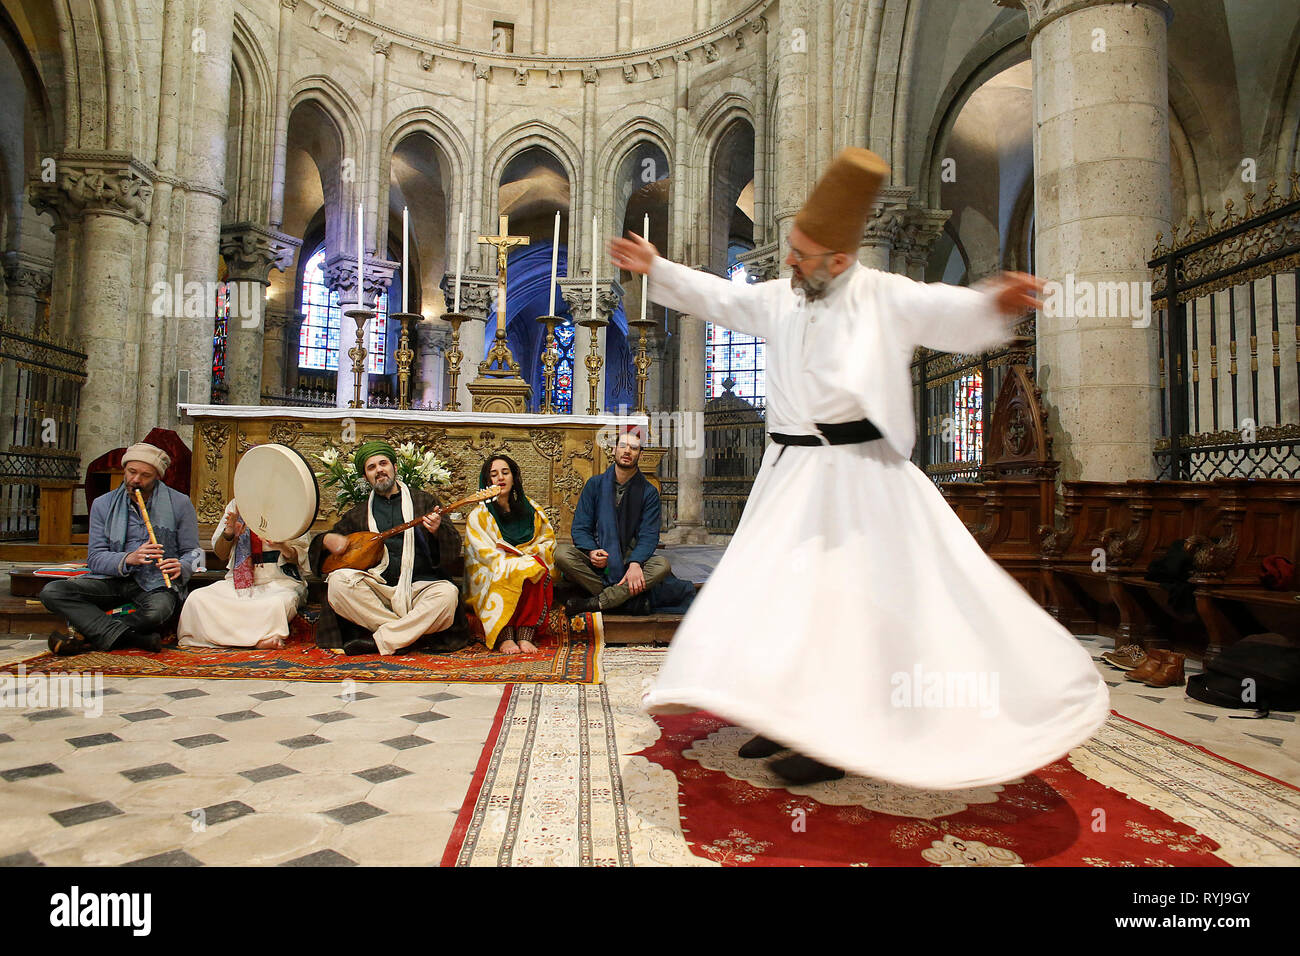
[(276, 492)]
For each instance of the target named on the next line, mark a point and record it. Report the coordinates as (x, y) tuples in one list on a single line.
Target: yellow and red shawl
[(497, 573)]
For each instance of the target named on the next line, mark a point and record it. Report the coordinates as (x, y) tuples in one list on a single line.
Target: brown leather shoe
[(1125, 658), (1170, 673), (1155, 660)]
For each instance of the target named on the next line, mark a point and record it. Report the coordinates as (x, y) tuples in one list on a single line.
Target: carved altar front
[(556, 454)]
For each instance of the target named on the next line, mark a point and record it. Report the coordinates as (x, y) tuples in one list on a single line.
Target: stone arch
[(322, 106), (249, 146), (33, 128), (715, 123), (519, 139), (1281, 133), (995, 52)]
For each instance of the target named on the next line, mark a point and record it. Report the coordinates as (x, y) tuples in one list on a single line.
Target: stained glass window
[(219, 341), (318, 342), (563, 396), (729, 354), (968, 418)]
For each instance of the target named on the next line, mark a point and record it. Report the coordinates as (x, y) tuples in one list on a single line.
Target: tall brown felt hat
[(836, 213)]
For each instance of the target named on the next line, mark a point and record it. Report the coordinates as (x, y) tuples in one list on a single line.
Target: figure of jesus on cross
[(504, 242)]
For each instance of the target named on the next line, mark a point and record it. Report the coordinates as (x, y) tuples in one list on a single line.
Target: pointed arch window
[(318, 341)]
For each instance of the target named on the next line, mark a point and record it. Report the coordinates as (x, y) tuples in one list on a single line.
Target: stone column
[(283, 79), (577, 296), (451, 22), (623, 37), (541, 25), (341, 277), (474, 220), (477, 295), (760, 136), (204, 168), (28, 281), (250, 252), (432, 343), (690, 528), (279, 342), (1101, 161), (110, 195), (793, 134), (379, 48)]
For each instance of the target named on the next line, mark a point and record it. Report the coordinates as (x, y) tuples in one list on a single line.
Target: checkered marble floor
[(231, 772), (185, 772)]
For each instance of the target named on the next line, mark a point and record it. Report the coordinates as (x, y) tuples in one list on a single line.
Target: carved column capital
[(111, 184), (341, 277), (28, 275), (252, 251), (477, 293), (590, 74), (921, 227), (762, 263), (1043, 12), (577, 296)]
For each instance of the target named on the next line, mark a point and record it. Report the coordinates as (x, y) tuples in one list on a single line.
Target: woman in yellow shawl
[(509, 554)]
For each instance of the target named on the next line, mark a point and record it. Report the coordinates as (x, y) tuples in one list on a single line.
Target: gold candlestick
[(594, 361), (453, 356), (358, 353), (404, 356), (642, 363), (550, 359)]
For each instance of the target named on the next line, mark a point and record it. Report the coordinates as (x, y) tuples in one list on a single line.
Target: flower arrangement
[(416, 466)]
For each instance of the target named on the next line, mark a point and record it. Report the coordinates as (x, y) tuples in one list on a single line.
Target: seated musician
[(262, 592), (406, 599), (125, 566), (615, 533), (509, 554)]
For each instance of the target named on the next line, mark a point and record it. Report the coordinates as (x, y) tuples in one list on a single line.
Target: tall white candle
[(360, 268), (555, 263), (595, 261), (406, 227), (460, 256), (645, 234)]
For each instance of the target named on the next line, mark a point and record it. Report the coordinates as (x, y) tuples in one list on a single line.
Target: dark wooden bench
[(1256, 518), (1160, 513), (1072, 565)]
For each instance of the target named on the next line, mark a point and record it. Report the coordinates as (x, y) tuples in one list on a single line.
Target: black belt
[(835, 433), (267, 557)]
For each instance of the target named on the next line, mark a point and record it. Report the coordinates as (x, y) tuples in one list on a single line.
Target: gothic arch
[(337, 104), (321, 103), (1281, 133), (995, 52), (248, 162), (451, 144)]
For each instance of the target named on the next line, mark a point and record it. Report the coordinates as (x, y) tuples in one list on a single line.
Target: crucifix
[(500, 352)]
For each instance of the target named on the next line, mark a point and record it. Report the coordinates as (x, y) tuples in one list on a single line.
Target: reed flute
[(149, 527)]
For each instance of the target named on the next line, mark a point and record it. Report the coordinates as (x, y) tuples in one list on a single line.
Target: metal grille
[(1224, 297)]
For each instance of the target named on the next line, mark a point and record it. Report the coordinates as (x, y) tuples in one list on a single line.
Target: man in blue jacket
[(126, 566), (615, 533)]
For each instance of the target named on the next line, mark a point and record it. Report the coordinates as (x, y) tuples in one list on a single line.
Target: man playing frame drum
[(407, 595)]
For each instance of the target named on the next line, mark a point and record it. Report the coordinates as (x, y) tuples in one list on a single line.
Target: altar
[(556, 453)]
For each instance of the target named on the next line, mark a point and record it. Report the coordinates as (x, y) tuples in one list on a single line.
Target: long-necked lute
[(365, 549)]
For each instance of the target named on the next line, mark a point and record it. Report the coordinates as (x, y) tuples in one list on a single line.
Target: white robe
[(853, 618), (220, 616)]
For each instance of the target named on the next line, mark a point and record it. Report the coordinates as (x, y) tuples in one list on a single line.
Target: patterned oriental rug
[(577, 776), (566, 659)]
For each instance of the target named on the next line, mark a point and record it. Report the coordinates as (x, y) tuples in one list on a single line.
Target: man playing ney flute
[(849, 578)]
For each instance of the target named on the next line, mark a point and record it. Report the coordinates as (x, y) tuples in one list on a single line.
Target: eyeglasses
[(801, 258)]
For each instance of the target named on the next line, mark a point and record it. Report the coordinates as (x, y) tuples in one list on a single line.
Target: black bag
[(1256, 666)]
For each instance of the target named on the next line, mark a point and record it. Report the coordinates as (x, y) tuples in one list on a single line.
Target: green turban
[(368, 450)]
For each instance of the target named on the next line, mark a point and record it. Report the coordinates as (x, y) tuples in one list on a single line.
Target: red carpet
[(1057, 816), (563, 660)]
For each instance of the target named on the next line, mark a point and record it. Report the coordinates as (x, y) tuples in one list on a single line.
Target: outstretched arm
[(955, 319), (741, 307)]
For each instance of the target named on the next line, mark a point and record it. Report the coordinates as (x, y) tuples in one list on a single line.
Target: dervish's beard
[(385, 485), (814, 283)]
